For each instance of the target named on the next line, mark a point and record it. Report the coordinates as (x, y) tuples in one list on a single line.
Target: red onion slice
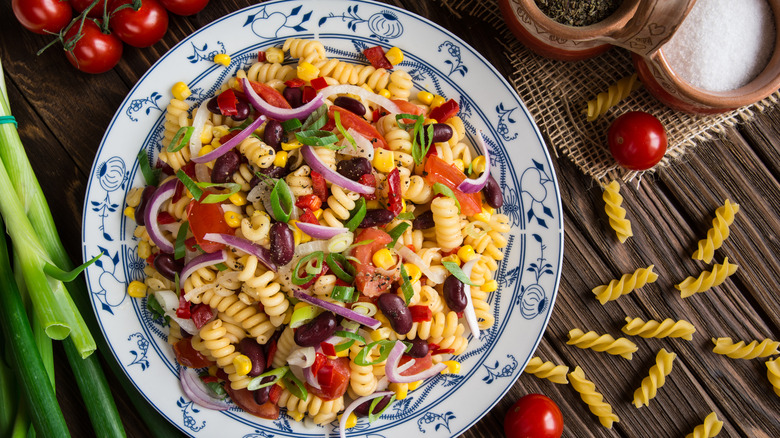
[(338, 310), (352, 406), (474, 185), (370, 96), (391, 367), (162, 194), (320, 231), (203, 260), (233, 142), (280, 114), (262, 254), (340, 180), (469, 312), (198, 392)]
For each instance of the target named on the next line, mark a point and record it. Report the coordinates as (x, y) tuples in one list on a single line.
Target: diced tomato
[(165, 218), (309, 93), (407, 107), (295, 82), (201, 315), (368, 179), (312, 202), (275, 393), (438, 171), (351, 120), (369, 282), (177, 192), (394, 192), (420, 364), (421, 313), (333, 377), (245, 400), (204, 219), (319, 83), (376, 56), (444, 111), (378, 113), (188, 356), (164, 167), (227, 101), (183, 311), (319, 186), (270, 95), (308, 216), (261, 56)]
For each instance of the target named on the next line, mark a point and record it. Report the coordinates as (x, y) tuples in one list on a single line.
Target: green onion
[(375, 416), (458, 273), (221, 267), (340, 266), (316, 119), (68, 276), (356, 215), (189, 184), (181, 139), (419, 150), (385, 345), (156, 310), (318, 257), (396, 232), (277, 373), (441, 189), (343, 346), (399, 119), (282, 201), (406, 286), (337, 119), (217, 389), (151, 176), (291, 125), (345, 294), (294, 385), (406, 216), (350, 335), (303, 315), (315, 137), (179, 250), (213, 198)]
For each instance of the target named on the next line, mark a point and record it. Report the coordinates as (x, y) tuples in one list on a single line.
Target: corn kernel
[(395, 55), (136, 289), (295, 144), (220, 130), (414, 385), (213, 369), (130, 212), (459, 164), (403, 205), (452, 258), (307, 71), (383, 160), (453, 367), (300, 305), (317, 213), (205, 150), (238, 198), (144, 249), (437, 101), (414, 272), (401, 390), (380, 333), (274, 54), (280, 160), (372, 204), (478, 165), (466, 253), (383, 259), (222, 58), (243, 364), (384, 92), (351, 420), (484, 217), (207, 134), (298, 235), (489, 286), (343, 353), (488, 209), (297, 416), (180, 91), (233, 219), (425, 97)]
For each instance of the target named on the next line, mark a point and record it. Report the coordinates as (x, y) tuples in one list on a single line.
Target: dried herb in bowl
[(578, 12)]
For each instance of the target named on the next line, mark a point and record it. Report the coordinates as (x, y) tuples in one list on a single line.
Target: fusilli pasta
[(724, 216), (654, 329), (592, 398), (664, 361), (615, 212), (707, 279), (625, 285), (709, 429), (739, 350), (547, 370), (606, 343)]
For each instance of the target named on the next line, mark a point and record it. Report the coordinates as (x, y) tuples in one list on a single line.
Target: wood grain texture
[(62, 115)]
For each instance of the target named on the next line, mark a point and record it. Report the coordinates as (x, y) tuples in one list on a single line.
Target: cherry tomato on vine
[(140, 27), (637, 140), (95, 52), (95, 12), (42, 16), (533, 416), (184, 7)]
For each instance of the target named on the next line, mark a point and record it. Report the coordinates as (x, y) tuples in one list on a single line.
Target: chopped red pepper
[(325, 271), (183, 311), (271, 353), (312, 202), (270, 95), (201, 315), (376, 56), (319, 186), (227, 101), (394, 192), (319, 83), (225, 138), (444, 111), (150, 259), (165, 218), (308, 216), (309, 93), (190, 243), (275, 393), (435, 349), (261, 56), (209, 379), (368, 179), (421, 313), (295, 83)]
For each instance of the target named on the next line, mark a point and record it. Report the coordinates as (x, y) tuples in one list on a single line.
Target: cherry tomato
[(637, 140), (138, 28), (438, 171), (533, 416), (95, 12), (333, 377), (42, 16), (369, 282), (184, 7), (245, 400), (204, 219), (420, 364), (95, 52), (350, 120)]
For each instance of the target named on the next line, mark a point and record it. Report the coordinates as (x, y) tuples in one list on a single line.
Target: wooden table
[(62, 115)]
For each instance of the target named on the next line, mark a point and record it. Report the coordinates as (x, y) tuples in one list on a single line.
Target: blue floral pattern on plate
[(528, 275)]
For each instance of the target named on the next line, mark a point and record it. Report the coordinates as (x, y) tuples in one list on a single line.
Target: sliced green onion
[(281, 201), (340, 266), (316, 137), (179, 250), (291, 125), (345, 294), (337, 119), (181, 139), (217, 388), (343, 346), (401, 124), (441, 189), (156, 310), (296, 278), (221, 267), (277, 373), (406, 216), (213, 198), (316, 119), (340, 243), (294, 385), (458, 273), (303, 315), (406, 286), (191, 185), (375, 416), (385, 345), (356, 215), (396, 232), (176, 284), (364, 308), (314, 266), (151, 176)]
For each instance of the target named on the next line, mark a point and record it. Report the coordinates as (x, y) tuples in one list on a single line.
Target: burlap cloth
[(556, 92)]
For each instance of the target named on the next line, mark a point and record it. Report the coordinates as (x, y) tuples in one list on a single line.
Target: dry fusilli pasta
[(606, 343), (654, 329), (773, 374), (707, 279), (592, 398), (625, 285), (664, 361), (710, 428), (739, 350), (615, 212), (547, 370), (614, 94), (724, 216)]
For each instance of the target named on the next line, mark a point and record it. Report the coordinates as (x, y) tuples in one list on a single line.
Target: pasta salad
[(318, 239)]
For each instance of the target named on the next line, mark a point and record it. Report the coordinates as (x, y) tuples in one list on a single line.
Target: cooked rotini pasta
[(709, 429), (654, 329), (773, 374), (305, 50), (547, 370), (447, 220), (615, 93), (707, 279), (606, 343), (664, 361), (724, 217), (625, 285), (592, 398), (615, 212), (739, 350)]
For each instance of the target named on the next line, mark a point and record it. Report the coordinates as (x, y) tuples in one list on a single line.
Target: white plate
[(440, 63)]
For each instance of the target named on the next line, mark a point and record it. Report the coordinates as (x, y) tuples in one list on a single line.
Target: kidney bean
[(419, 348), (362, 409), (213, 106), (225, 166), (377, 217), (492, 193), (441, 132), (254, 351), (272, 136), (262, 394), (294, 96), (242, 111), (138, 214), (354, 168), (282, 243), (272, 171), (351, 105), (455, 294), (317, 330), (167, 266), (394, 308), (423, 221)]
